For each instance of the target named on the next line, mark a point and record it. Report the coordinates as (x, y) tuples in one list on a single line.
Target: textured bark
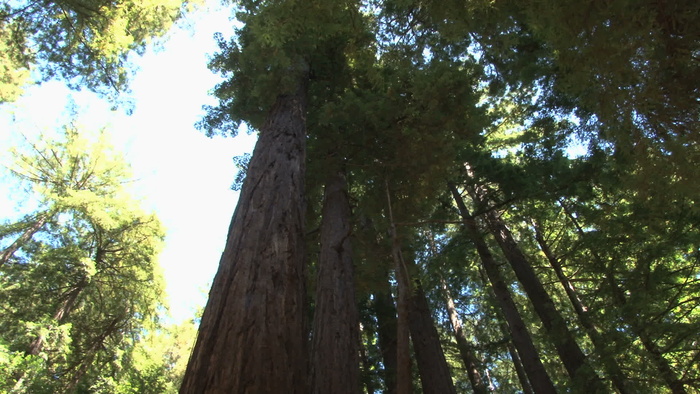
[(471, 363), (335, 344), (6, 254), (599, 343), (252, 337), (537, 375), (432, 367)]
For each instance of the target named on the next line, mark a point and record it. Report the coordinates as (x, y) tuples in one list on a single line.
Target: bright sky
[(182, 175)]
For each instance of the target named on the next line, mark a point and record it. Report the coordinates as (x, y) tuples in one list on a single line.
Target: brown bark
[(471, 363), (569, 352), (6, 254), (537, 375), (599, 343), (335, 343), (252, 337), (432, 366)]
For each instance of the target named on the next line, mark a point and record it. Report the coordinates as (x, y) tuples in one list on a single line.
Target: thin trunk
[(534, 368), (518, 365), (404, 380), (599, 343), (252, 336), (471, 363), (432, 366), (620, 300), (385, 311), (335, 343), (570, 353), (6, 254)]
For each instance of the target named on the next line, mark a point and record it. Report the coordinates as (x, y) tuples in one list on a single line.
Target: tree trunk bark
[(335, 344), (471, 363), (433, 369), (570, 353), (537, 375), (252, 337)]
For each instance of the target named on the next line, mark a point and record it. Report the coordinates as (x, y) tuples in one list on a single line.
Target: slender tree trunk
[(518, 365), (432, 366), (537, 375), (6, 254), (252, 337), (404, 380), (570, 353), (335, 343), (385, 311), (620, 300), (599, 343), (471, 363)]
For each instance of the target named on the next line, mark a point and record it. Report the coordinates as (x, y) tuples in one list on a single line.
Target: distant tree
[(80, 284)]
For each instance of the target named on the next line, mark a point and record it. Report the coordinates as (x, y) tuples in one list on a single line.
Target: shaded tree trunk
[(599, 343), (335, 343), (432, 366), (404, 380), (252, 336), (471, 363), (518, 365), (537, 375), (385, 311)]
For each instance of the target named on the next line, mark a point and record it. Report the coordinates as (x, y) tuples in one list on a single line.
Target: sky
[(180, 174)]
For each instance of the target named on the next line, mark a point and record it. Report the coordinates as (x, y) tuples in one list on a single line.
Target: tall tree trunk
[(570, 353), (404, 379), (385, 311), (471, 363), (599, 343), (40, 221), (432, 366), (335, 344), (252, 337), (620, 300), (534, 368)]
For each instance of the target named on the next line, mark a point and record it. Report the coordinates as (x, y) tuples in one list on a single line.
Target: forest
[(445, 197)]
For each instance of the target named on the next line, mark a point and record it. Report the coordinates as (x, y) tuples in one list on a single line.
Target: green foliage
[(86, 43), (81, 288)]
